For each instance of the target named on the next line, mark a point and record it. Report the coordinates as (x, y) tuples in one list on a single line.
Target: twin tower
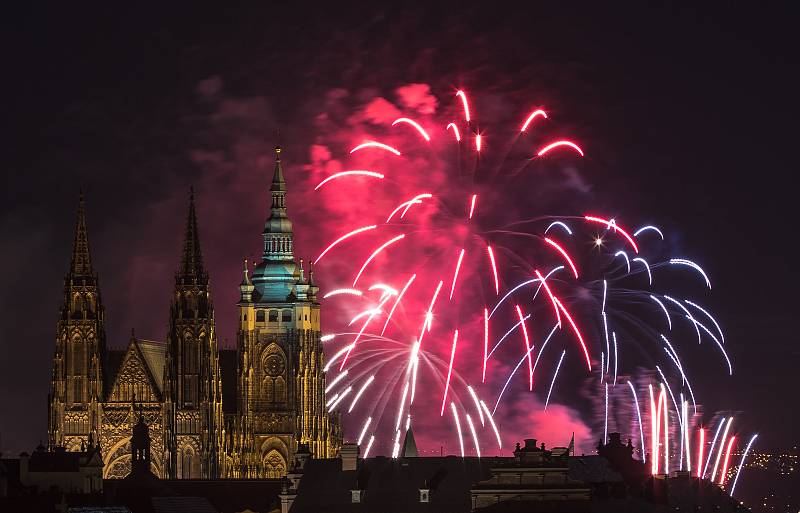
[(211, 413)]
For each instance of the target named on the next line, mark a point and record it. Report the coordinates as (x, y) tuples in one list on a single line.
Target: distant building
[(273, 384)]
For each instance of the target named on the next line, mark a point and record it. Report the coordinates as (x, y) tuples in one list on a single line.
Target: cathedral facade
[(273, 383)]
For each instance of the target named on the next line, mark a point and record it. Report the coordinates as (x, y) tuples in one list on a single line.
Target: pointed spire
[(278, 228), (192, 259), (81, 263), (409, 445)]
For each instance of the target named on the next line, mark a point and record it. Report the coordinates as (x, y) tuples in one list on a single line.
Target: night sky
[(689, 117)]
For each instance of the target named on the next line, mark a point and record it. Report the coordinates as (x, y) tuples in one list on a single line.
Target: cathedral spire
[(81, 263), (278, 229), (192, 259)]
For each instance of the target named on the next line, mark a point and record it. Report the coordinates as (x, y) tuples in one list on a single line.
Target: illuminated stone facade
[(177, 386)]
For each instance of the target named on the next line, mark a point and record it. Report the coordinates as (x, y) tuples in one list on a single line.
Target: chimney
[(349, 455)]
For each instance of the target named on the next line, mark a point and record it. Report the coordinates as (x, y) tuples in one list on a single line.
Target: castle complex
[(273, 382)]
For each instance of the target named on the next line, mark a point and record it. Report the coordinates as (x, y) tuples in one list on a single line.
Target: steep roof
[(142, 359)]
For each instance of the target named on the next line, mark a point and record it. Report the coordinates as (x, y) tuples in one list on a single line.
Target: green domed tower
[(281, 385)]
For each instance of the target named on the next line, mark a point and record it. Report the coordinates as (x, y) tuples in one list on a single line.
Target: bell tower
[(193, 384), (76, 388), (281, 399)]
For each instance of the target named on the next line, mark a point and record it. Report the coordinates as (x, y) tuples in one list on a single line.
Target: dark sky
[(690, 114)]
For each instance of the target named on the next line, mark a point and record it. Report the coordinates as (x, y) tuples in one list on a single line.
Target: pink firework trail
[(421, 189)]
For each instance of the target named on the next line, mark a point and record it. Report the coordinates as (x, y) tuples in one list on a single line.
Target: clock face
[(274, 365)]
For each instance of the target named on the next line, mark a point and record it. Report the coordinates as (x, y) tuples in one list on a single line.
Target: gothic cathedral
[(274, 384)]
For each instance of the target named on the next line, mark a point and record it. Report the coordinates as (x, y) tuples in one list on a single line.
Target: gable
[(134, 380)]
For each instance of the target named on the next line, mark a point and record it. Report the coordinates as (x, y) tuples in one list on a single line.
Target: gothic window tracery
[(274, 465)]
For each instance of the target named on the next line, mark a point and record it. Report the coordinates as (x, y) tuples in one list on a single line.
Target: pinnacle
[(192, 259), (81, 262)]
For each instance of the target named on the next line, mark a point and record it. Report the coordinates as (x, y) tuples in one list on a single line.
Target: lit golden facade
[(177, 386)]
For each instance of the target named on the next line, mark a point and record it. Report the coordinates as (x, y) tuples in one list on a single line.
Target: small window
[(306, 316), (273, 316), (286, 316), (260, 316)]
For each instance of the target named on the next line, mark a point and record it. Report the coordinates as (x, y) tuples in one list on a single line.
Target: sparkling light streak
[(472, 205), (711, 317), (645, 228), (485, 342), (474, 435), (375, 144), (352, 292), (337, 379), (727, 460), (414, 124), (638, 416), (455, 131), (741, 463), (494, 426), (528, 347), (563, 254), (449, 371), (478, 142), (361, 391), (458, 428), (531, 117), (625, 255), (647, 268), (465, 103), (369, 446), (402, 406), (477, 404), (336, 356), (721, 448), (713, 444), (558, 144), (558, 223), (683, 261), (376, 253), (343, 237), (397, 302), (577, 333), (664, 308), (326, 338), (700, 446), (553, 382), (342, 174), (364, 430), (339, 398), (612, 225), (494, 270), (455, 273)]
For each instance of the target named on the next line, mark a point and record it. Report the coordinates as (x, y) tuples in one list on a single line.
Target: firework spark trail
[(666, 429), (339, 398), (449, 371), (671, 395), (429, 313), (577, 333), (343, 174), (502, 391), (725, 463), (700, 447), (541, 349), (564, 254), (361, 391), (531, 117), (721, 448), (527, 282), (664, 308), (337, 292), (402, 405), (335, 380), (507, 333), (477, 404), (458, 427), (605, 423), (713, 444), (741, 463), (364, 430), (649, 227), (614, 334), (375, 144), (455, 273), (465, 103), (397, 302), (376, 253), (546, 149), (494, 426), (528, 347), (472, 205), (686, 435), (688, 314), (455, 131), (647, 268), (683, 261), (716, 341), (638, 416), (369, 445), (611, 224), (549, 293), (494, 270), (414, 124), (711, 317), (555, 375), (342, 238), (474, 435), (625, 256), (558, 223), (654, 423), (485, 342)]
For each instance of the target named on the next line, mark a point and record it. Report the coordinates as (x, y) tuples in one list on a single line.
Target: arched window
[(186, 464), (274, 465), (260, 316), (280, 390), (286, 316), (273, 316)]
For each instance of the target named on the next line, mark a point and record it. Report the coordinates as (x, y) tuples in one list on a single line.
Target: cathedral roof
[(141, 356)]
